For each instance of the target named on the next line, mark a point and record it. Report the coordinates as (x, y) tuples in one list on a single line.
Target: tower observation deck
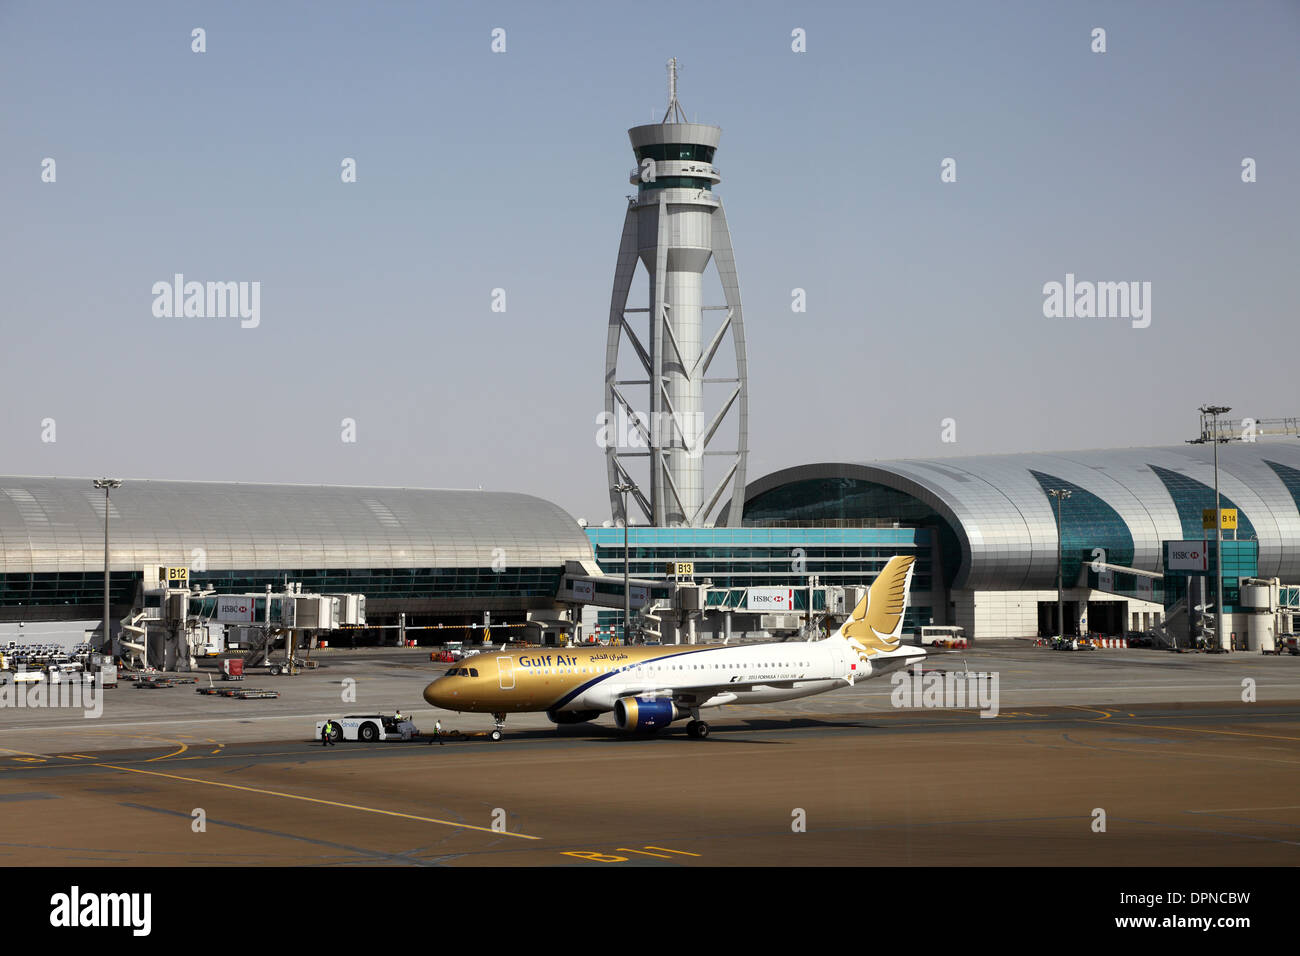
[(674, 226)]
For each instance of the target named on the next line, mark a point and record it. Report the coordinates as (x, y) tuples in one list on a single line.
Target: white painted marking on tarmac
[(1238, 809), (172, 723)]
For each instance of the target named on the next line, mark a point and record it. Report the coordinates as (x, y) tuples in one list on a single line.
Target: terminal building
[(993, 528), (437, 556), (983, 530)]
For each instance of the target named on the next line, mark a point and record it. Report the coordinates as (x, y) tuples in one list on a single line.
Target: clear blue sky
[(479, 170)]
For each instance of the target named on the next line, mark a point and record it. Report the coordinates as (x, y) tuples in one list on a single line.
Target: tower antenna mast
[(673, 106)]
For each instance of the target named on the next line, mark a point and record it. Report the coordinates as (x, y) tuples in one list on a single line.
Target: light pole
[(1214, 411), (1060, 494), (107, 484), (623, 488)]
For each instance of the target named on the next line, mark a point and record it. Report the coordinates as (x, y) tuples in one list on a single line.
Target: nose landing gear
[(500, 720)]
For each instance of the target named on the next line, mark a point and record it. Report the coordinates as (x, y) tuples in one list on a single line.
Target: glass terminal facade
[(1191, 497), (85, 590), (737, 558), (1087, 524), (853, 503), (1290, 477)]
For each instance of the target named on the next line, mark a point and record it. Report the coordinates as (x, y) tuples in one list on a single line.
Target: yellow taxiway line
[(1196, 730)]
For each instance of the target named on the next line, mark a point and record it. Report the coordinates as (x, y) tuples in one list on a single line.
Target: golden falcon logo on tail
[(877, 622)]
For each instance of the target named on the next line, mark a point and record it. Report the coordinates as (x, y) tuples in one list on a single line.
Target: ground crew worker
[(437, 732), (326, 734)]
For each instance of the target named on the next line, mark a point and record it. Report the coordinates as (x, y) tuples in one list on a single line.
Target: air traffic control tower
[(693, 439)]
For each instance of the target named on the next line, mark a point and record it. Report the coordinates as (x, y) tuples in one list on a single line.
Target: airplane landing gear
[(697, 730), (500, 720)]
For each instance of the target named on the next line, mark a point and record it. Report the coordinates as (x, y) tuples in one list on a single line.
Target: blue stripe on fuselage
[(592, 683)]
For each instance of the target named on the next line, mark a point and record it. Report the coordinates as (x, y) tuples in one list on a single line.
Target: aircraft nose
[(435, 695)]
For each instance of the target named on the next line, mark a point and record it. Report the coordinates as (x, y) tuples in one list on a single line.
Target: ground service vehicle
[(368, 728)]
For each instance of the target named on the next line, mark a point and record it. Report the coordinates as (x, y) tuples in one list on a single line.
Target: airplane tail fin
[(875, 627)]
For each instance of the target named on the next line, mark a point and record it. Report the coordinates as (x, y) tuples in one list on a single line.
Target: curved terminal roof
[(1124, 501), (57, 525)]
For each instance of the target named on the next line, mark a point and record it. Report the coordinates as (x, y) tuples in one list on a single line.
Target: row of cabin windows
[(670, 667)]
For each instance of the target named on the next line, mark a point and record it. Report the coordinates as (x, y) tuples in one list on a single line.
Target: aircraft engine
[(644, 713)]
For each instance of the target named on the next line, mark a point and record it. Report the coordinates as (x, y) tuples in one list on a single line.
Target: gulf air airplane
[(648, 688)]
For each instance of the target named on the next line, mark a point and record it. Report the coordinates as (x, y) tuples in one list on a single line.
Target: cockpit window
[(473, 672)]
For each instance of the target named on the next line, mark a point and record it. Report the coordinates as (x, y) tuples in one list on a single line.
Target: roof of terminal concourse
[(996, 512), (57, 525)]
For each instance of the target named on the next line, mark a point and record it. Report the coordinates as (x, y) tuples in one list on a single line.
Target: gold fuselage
[(542, 677), (546, 678)]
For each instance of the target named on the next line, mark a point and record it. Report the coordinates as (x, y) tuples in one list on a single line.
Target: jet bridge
[(1272, 609), (175, 626), (678, 609)]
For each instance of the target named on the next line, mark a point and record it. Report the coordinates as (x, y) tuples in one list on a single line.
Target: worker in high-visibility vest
[(327, 734)]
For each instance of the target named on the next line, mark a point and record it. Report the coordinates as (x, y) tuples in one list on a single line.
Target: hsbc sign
[(235, 610), (1186, 556), (770, 599)]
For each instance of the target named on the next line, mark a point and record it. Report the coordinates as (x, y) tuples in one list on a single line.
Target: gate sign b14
[(1228, 517)]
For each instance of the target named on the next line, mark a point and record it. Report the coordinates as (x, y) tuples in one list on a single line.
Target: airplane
[(648, 688)]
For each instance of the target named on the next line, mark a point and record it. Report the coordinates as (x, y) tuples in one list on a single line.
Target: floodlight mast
[(107, 485), (1210, 433), (1060, 494)]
